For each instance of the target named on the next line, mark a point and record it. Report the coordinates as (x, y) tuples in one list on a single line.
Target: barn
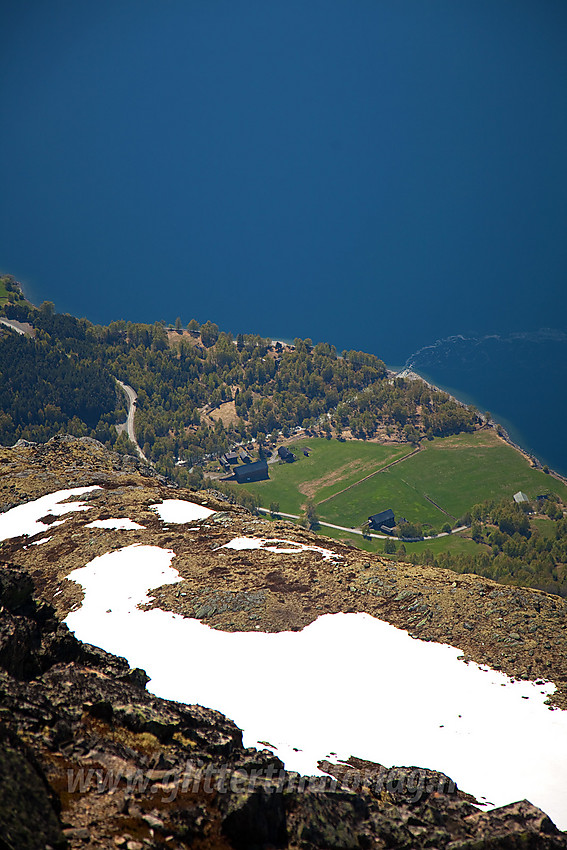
[(257, 471), (384, 519), (520, 497)]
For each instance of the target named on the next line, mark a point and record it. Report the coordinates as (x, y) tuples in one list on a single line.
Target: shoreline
[(410, 374), (406, 372)]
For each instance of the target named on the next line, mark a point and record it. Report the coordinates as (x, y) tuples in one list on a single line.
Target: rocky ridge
[(91, 760), (520, 631), (102, 763)]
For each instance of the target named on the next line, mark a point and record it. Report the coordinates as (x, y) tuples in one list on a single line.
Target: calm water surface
[(377, 175)]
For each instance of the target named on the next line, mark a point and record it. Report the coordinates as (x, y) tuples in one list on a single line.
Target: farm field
[(330, 467), (385, 490), (460, 471), (546, 527), (437, 485)]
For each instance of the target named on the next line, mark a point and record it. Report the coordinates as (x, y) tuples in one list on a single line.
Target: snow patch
[(25, 518), (118, 524), (179, 510), (347, 684), (285, 547)]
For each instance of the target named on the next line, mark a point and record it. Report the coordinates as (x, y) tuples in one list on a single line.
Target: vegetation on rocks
[(88, 755)]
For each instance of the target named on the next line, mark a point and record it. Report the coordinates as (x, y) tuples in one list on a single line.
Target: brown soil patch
[(226, 413), (309, 488), (174, 337), (383, 438)]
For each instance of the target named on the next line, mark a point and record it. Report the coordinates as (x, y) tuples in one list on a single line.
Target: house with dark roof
[(285, 454), (230, 458), (257, 471), (383, 520)]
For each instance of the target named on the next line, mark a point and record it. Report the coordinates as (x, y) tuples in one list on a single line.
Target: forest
[(182, 376), (513, 548), (62, 380)]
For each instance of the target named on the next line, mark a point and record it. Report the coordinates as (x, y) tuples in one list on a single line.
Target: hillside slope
[(100, 763), (68, 707), (520, 631)]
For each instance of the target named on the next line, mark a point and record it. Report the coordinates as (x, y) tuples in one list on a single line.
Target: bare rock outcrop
[(89, 758)]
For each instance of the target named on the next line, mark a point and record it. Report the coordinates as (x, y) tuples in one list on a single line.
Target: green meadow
[(460, 471), (3, 293), (459, 542), (439, 484), (330, 467)]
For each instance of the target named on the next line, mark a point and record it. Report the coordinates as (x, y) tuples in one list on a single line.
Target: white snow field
[(273, 544), (179, 510), (117, 524), (25, 518), (347, 684)]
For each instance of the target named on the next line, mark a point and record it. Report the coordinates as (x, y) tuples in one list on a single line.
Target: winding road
[(359, 531), (128, 426)]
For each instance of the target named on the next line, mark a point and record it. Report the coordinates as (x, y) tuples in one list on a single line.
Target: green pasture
[(459, 542), (461, 471), (455, 473), (546, 527), (330, 467), (437, 485), (454, 542), (388, 489)]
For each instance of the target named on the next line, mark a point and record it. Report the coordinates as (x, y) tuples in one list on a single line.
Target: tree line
[(180, 374), (511, 548)]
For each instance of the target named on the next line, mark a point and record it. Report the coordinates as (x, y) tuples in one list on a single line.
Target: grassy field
[(458, 472), (330, 467), (546, 527), (455, 473), (3, 293), (388, 489), (437, 485)]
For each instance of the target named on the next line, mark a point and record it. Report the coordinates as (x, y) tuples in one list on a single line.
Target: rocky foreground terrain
[(90, 759)]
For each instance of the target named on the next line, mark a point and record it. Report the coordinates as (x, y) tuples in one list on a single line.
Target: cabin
[(257, 471), (285, 454), (245, 457), (230, 458), (385, 519)]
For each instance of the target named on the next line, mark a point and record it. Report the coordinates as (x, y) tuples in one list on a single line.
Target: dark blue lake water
[(521, 379), (378, 175)]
